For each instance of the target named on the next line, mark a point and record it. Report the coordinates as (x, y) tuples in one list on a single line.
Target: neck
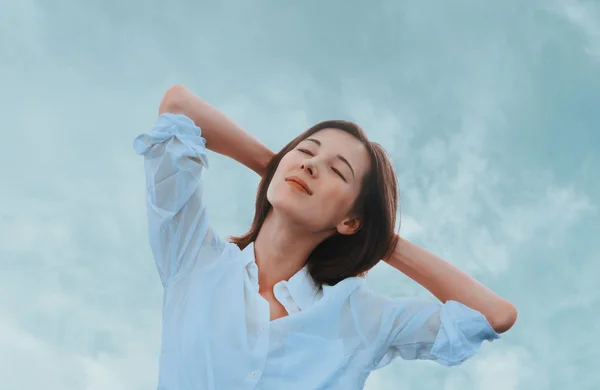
[(282, 248)]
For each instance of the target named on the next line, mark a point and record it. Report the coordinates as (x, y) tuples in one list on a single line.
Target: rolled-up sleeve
[(448, 333), (174, 158)]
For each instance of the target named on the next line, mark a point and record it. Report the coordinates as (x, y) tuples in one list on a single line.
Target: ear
[(349, 226)]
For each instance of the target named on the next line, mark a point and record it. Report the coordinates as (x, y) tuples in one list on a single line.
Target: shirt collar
[(301, 286), (304, 291)]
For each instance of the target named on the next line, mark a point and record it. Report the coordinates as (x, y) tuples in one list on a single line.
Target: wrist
[(395, 244), (260, 161)]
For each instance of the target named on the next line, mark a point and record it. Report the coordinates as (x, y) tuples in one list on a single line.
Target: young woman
[(285, 306)]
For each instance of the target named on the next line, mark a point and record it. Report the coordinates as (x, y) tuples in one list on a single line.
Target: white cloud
[(586, 16), (551, 210), (28, 362), (80, 295), (510, 369)]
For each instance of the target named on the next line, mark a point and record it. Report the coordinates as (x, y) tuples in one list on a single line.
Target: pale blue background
[(491, 112)]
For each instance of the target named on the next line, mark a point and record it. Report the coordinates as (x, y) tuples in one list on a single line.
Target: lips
[(300, 182)]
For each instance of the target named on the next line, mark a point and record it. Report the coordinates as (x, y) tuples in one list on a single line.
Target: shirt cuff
[(174, 125), (462, 331)]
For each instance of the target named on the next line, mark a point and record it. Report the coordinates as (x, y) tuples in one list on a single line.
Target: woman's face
[(317, 182)]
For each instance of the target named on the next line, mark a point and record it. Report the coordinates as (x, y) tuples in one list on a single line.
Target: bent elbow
[(505, 319), (172, 101)]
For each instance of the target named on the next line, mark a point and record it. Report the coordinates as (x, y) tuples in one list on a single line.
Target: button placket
[(262, 335)]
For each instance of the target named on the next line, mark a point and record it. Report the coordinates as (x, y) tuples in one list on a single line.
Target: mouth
[(299, 184)]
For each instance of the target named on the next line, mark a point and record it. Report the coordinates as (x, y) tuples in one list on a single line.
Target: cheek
[(337, 200), (288, 161), (273, 190), (277, 177), (279, 191)]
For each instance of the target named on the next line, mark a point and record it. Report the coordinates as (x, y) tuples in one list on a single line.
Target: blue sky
[(489, 110)]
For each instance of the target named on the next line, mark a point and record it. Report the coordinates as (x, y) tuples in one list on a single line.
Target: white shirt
[(217, 332)]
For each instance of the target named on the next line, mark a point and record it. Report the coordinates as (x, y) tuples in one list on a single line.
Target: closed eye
[(339, 174), (332, 168)]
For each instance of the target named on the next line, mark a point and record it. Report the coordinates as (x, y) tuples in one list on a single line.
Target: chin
[(294, 208)]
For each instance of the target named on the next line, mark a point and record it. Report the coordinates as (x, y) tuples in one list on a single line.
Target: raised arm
[(449, 283), (222, 134)]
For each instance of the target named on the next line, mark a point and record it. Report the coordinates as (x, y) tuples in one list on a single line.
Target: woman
[(284, 306)]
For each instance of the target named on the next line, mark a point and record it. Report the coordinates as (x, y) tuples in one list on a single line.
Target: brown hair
[(341, 256)]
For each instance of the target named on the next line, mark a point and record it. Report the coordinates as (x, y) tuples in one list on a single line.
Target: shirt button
[(253, 374), (264, 329)]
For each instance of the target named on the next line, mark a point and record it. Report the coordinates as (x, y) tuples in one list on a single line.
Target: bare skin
[(299, 220), (276, 309)]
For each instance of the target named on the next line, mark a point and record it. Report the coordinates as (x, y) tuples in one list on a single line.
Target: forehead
[(335, 141)]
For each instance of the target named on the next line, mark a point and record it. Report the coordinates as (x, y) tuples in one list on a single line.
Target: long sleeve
[(412, 328), (178, 225)]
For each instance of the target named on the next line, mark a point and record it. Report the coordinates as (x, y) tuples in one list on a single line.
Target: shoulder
[(216, 248), (362, 312), (363, 296), (373, 309), (374, 301)]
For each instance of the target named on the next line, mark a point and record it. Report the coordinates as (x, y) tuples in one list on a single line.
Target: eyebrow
[(339, 156)]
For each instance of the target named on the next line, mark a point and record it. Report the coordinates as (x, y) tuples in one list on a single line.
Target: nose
[(309, 168)]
